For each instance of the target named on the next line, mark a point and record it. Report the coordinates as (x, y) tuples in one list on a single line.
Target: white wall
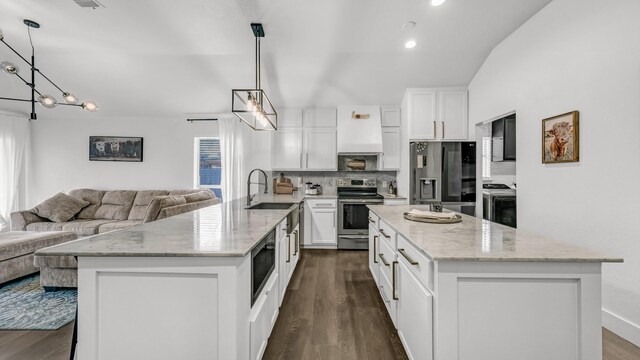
[(60, 154), (577, 55)]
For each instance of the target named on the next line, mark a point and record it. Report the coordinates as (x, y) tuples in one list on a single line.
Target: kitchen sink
[(270, 206)]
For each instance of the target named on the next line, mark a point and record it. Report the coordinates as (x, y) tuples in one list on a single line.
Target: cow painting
[(560, 138), (115, 148)]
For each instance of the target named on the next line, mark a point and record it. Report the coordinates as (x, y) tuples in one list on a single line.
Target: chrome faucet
[(249, 183)]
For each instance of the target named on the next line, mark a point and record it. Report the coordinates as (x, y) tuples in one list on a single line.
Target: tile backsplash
[(328, 179)]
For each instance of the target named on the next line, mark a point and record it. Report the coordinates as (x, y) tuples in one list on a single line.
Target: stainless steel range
[(353, 216)]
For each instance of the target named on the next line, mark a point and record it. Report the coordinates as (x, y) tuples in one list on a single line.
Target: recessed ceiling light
[(437, 2), (410, 44)]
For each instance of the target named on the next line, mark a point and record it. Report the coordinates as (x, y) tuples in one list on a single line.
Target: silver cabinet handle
[(384, 261), (443, 129), (375, 238), (384, 234), (434, 129), (393, 282), (371, 220), (288, 248), (409, 259), (307, 159), (295, 243)]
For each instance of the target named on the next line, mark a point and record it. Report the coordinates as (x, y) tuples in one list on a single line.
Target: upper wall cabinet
[(320, 117), (436, 114), (287, 149), (289, 116), (390, 116), (390, 157), (320, 149), (419, 106), (453, 114)]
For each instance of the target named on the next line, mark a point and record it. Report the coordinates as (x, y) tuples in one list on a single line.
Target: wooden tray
[(456, 219)]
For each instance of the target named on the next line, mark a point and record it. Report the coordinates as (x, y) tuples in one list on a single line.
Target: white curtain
[(14, 137), (231, 149)]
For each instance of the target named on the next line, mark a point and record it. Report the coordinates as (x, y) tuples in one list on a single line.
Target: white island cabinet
[(183, 287), (479, 290)]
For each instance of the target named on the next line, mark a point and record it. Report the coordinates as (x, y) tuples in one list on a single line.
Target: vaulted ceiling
[(168, 58)]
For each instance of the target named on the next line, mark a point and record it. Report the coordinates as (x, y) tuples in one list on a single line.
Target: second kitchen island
[(202, 285), (480, 290)]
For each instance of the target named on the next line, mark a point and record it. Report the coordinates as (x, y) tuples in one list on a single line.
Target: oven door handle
[(352, 237), (361, 201)]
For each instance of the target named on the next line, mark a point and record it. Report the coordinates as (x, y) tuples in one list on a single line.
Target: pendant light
[(45, 100), (252, 105)]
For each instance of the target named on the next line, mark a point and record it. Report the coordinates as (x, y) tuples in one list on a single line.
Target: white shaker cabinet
[(415, 314), (289, 117), (321, 223), (287, 149), (320, 149), (436, 113), (419, 106), (453, 114), (320, 117), (390, 116), (390, 159)]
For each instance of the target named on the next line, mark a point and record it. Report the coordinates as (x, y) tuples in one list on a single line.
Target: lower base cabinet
[(263, 317), (415, 314)]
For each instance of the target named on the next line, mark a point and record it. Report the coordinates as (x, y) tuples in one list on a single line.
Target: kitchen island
[(480, 290), (181, 287)]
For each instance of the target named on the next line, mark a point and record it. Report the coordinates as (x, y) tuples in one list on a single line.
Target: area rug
[(24, 305)]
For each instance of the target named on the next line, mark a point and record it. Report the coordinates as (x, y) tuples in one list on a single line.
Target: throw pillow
[(60, 208), (198, 196), (159, 203)]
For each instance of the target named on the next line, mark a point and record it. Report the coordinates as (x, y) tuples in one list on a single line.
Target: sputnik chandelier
[(45, 100), (252, 105)]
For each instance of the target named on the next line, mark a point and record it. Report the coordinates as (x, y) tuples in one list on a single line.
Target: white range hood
[(359, 130)]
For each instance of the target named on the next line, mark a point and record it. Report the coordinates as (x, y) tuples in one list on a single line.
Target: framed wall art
[(560, 138), (115, 148)]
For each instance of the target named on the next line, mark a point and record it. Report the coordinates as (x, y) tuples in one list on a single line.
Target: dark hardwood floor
[(332, 310)]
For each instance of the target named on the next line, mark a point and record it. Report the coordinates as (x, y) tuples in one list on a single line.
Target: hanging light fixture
[(252, 105), (45, 100)]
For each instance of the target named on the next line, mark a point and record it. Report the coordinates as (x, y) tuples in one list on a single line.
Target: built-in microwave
[(263, 262)]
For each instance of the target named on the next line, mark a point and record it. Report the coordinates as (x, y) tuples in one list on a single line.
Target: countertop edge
[(501, 260)]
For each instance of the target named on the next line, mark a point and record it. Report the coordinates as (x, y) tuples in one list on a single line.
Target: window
[(208, 165)]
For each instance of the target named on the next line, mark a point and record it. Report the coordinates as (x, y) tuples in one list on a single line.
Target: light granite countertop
[(389, 196), (226, 229), (475, 239)]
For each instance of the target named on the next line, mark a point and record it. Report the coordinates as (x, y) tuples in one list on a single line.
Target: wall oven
[(353, 215), (263, 262)]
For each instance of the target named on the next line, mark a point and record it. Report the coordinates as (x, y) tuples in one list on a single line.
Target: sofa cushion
[(198, 196), (18, 243), (94, 197), (44, 226), (142, 201), (54, 261), (183, 192), (85, 227), (116, 205), (159, 203), (118, 225), (60, 208)]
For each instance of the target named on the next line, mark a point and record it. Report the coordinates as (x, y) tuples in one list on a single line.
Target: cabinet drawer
[(386, 291), (417, 262), (373, 220), (386, 257), (322, 204), (387, 233)]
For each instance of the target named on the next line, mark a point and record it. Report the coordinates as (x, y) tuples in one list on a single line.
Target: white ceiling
[(167, 58)]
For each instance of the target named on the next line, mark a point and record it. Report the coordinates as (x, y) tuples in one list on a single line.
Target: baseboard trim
[(621, 327)]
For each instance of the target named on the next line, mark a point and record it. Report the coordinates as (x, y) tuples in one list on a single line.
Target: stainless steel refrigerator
[(444, 172)]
